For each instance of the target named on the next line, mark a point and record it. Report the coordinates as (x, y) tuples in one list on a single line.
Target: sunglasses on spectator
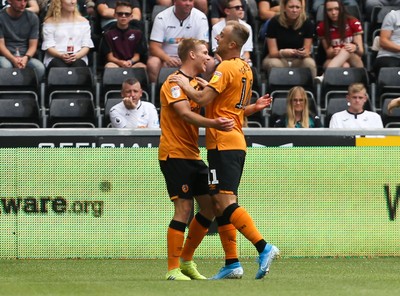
[(237, 7), (121, 14)]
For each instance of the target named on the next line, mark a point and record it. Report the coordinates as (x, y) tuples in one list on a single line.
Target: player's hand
[(263, 102), (180, 80), (393, 104), (202, 82), (224, 124)]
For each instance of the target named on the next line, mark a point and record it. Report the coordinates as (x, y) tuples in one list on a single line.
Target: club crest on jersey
[(217, 75), (185, 188), (176, 91)]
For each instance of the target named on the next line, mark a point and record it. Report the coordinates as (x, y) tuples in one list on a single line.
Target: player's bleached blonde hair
[(55, 8), (187, 45), (239, 33)]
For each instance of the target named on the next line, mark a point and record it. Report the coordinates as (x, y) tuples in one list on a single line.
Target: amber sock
[(227, 234), (243, 222), (175, 238), (198, 228)]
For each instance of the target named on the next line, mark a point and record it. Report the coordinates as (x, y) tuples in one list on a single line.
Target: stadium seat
[(162, 76), (278, 108), (72, 112), (392, 119), (108, 105), (257, 83), (377, 15), (19, 111), (18, 79), (336, 82), (22, 87), (77, 82), (286, 78), (387, 84), (334, 105), (113, 78)]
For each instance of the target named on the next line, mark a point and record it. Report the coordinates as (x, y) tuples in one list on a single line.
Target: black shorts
[(226, 168), (185, 178)]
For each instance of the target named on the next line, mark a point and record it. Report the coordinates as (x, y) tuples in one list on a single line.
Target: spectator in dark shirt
[(289, 38), (106, 12), (123, 46), (19, 35)]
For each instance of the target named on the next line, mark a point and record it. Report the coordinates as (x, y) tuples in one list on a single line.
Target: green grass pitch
[(288, 276)]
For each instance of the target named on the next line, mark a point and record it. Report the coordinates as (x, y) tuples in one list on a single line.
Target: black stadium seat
[(19, 111), (336, 82), (72, 112), (77, 81), (113, 78)]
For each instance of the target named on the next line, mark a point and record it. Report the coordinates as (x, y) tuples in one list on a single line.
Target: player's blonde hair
[(187, 45), (239, 33)]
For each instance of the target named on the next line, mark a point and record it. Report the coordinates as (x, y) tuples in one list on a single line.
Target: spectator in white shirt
[(132, 112), (355, 117), (234, 11)]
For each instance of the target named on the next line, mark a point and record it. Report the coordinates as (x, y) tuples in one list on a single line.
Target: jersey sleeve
[(153, 118), (356, 26), (173, 92), (221, 77), (117, 120)]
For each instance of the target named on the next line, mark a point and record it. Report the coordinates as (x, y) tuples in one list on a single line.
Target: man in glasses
[(123, 46), (234, 11), (106, 11), (217, 11)]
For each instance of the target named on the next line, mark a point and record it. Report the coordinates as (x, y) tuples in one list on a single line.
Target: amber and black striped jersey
[(232, 80), (179, 139)]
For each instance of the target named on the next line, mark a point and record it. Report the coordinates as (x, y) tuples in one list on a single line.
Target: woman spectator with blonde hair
[(66, 35), (289, 38), (298, 114)]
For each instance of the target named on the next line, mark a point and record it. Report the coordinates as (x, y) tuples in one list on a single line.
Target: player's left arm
[(260, 104)]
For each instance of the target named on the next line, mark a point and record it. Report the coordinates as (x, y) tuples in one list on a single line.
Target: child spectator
[(124, 46)]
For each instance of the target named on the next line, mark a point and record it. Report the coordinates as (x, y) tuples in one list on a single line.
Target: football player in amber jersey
[(228, 95), (186, 175)]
